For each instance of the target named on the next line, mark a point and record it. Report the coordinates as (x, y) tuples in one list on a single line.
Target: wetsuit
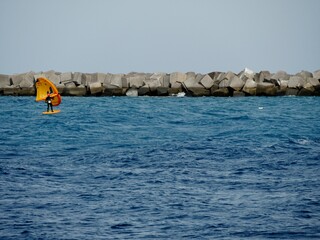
[(49, 103)]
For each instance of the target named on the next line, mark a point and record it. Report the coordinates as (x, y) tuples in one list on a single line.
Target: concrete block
[(144, 91), (30, 91), (219, 78), (9, 90), (191, 75), (280, 75), (107, 81), (292, 92), (124, 82), (316, 74), (207, 82), (157, 76), (313, 81), (174, 91), (26, 83), (162, 91), (95, 88), (262, 76), (136, 81), (66, 77), (114, 92), (266, 89), (199, 77), (163, 78), (80, 90), (152, 84), (4, 80), (17, 79), (229, 75), (246, 74), (214, 75), (238, 94), (77, 77), (199, 91), (98, 77), (224, 83), (221, 92), (166, 81), (86, 79), (176, 78), (283, 87), (70, 85), (191, 82), (116, 81), (53, 76), (305, 74), (306, 91), (236, 83), (132, 92), (250, 87), (296, 82)]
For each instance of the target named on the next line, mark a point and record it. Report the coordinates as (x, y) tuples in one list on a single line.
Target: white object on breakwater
[(179, 94)]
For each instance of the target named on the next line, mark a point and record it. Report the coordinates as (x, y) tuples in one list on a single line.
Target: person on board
[(49, 102)]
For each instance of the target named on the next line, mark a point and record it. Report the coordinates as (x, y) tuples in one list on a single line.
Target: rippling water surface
[(165, 168)]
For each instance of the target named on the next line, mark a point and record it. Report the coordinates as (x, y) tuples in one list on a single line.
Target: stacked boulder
[(219, 84)]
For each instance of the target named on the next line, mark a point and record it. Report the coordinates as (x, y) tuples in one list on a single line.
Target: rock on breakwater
[(219, 84)]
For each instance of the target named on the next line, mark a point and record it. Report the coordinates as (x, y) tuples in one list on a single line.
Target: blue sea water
[(160, 168)]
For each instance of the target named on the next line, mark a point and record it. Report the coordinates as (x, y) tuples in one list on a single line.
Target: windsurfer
[(49, 102)]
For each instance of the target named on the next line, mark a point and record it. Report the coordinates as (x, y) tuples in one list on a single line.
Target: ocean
[(160, 168)]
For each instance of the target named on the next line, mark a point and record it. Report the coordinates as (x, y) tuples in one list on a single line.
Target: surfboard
[(54, 112)]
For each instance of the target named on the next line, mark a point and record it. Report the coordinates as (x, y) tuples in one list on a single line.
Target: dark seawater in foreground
[(160, 168)]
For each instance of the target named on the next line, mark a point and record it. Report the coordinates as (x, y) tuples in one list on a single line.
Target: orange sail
[(44, 86)]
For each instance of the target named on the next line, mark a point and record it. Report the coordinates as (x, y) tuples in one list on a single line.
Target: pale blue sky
[(120, 36)]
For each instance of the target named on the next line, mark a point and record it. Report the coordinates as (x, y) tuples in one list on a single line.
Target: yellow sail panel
[(44, 86)]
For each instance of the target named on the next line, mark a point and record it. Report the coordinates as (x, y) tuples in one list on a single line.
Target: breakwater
[(218, 84)]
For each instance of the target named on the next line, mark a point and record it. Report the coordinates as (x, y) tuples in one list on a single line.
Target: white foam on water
[(181, 94), (302, 141)]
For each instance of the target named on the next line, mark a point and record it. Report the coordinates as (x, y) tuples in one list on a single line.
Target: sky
[(121, 36)]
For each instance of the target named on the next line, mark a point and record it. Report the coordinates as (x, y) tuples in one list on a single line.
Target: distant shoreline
[(215, 84)]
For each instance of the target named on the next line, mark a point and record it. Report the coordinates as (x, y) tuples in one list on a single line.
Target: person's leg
[(47, 107), (51, 107)]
